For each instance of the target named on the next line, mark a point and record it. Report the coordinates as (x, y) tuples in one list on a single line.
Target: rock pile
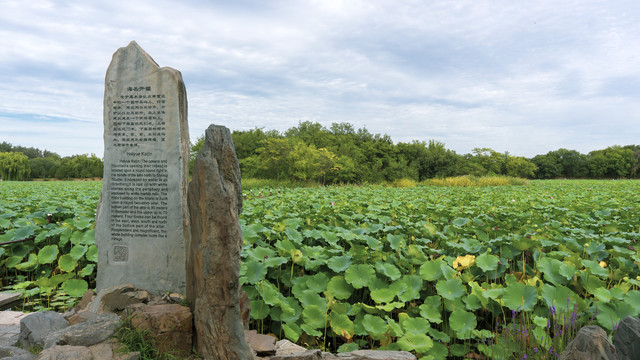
[(86, 332)]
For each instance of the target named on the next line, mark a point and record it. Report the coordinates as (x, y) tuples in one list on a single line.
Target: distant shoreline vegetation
[(313, 154)]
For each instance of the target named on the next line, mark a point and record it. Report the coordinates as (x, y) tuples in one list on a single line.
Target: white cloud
[(524, 78)]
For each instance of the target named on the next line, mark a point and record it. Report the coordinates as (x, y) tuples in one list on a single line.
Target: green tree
[(548, 166), (14, 166), (518, 166)]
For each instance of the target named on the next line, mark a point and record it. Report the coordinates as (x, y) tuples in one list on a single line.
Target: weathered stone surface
[(81, 317), (590, 343), (286, 347), (170, 324), (110, 350), (15, 353), (66, 352), (142, 219), (90, 332), (86, 299), (117, 298), (263, 345), (627, 339), (35, 327), (213, 255), (315, 354)]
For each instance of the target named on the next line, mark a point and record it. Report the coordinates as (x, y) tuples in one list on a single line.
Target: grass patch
[(249, 184), (133, 339), (469, 180)]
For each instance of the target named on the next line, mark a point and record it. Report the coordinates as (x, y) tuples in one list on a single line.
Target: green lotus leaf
[(348, 347), (77, 251), (256, 271), (314, 316), (92, 253), (5, 223), (567, 270), (259, 310), (459, 222), (602, 294), (633, 298), (292, 331), (87, 270), (487, 262), (396, 329), (339, 288), (595, 268), (412, 284), (269, 293), (67, 263), (75, 287), (374, 326), (275, 261), (28, 265), (390, 306), (431, 270), (14, 260), (416, 325), (610, 314), (360, 275), (439, 351), (420, 343), (48, 254), (389, 270), (291, 310), (383, 295), (293, 235), (463, 323), (519, 296), (395, 241), (82, 222), (450, 289), (341, 325), (88, 237), (24, 232), (310, 297), (317, 282), (459, 350), (432, 309), (551, 270), (310, 330)]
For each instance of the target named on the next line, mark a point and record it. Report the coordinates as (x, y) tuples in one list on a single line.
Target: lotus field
[(445, 272)]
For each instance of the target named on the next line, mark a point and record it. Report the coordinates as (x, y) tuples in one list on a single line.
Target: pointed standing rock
[(213, 254)]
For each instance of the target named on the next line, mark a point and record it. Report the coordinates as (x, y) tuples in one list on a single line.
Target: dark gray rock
[(213, 253), (35, 327), (590, 343), (15, 353), (88, 333), (627, 339)]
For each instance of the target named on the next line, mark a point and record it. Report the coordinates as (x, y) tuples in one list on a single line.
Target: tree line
[(311, 152), (26, 163), (343, 154)]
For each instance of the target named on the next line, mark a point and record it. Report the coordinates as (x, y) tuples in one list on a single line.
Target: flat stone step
[(8, 297)]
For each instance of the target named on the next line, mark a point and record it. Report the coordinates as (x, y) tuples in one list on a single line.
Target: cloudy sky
[(525, 77)]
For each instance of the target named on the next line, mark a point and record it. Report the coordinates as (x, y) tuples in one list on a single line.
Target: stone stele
[(213, 255), (142, 219)]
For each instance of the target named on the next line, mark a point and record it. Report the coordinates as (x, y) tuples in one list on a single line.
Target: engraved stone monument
[(143, 220)]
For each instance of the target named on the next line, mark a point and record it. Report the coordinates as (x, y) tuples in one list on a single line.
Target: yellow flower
[(603, 264), (463, 262)]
